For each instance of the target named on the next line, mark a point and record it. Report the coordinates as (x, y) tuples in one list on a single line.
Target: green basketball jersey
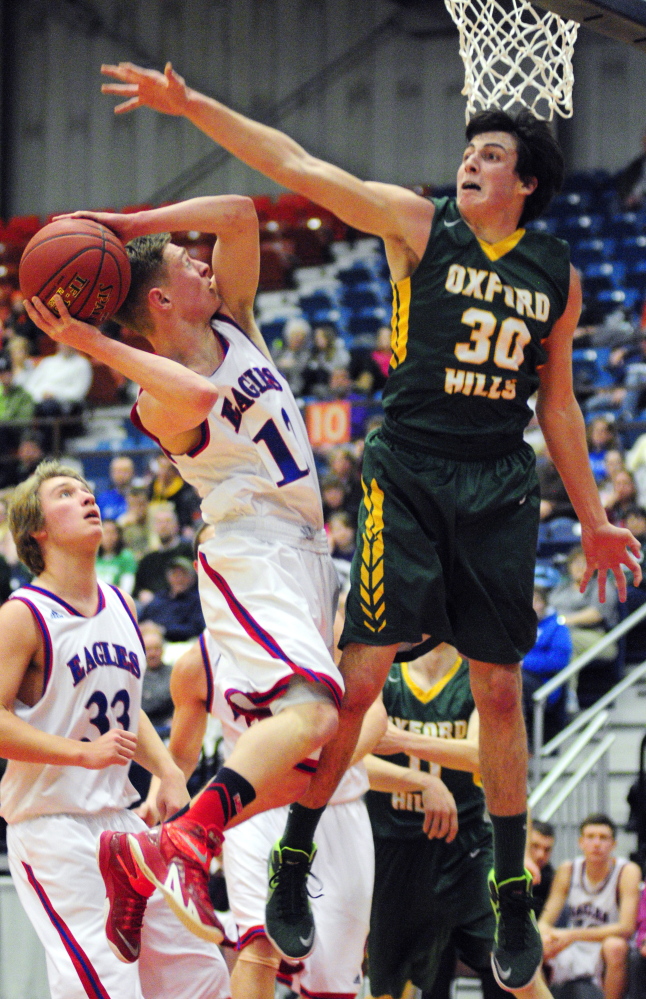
[(467, 333), (442, 711)]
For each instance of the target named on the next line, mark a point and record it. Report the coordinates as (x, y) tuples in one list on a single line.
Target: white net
[(515, 54)]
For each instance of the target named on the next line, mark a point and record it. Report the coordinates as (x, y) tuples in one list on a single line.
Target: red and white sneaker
[(175, 858), (127, 893)]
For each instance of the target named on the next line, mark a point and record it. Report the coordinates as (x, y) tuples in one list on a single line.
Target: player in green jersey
[(430, 898), (484, 313)]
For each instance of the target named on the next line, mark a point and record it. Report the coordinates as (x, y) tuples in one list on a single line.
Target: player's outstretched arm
[(21, 677), (373, 728), (395, 214), (175, 387), (456, 754), (607, 548), (155, 758), (189, 693), (441, 815)]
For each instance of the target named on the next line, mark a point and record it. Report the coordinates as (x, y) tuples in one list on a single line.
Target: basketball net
[(515, 54)]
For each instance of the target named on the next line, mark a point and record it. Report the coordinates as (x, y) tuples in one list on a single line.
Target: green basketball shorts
[(429, 894), (446, 549)]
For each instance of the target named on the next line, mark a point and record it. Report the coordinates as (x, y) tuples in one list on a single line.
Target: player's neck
[(72, 577), (431, 668), (597, 871), (192, 345), (493, 227)]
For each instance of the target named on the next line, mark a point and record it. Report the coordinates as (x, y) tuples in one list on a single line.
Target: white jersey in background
[(254, 459), (344, 866), (93, 674), (587, 906)]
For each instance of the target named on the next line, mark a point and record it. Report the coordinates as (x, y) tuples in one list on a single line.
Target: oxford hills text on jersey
[(506, 343)]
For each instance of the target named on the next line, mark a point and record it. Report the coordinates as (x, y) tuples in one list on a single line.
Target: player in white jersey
[(70, 722), (601, 892), (344, 862), (217, 405)]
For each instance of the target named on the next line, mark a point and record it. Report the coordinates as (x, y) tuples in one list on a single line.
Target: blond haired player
[(70, 722)]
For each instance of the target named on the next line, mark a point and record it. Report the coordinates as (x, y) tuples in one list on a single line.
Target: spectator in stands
[(635, 462), (332, 495), (18, 322), (587, 618), (30, 453), (292, 359), (60, 383), (177, 607), (150, 577), (343, 464), (168, 486), (115, 564), (541, 844), (112, 502), (15, 404), (135, 522), (328, 353), (342, 529), (551, 653), (622, 499), (21, 363), (155, 692), (369, 368), (631, 182), (555, 501), (635, 521), (613, 462), (601, 437), (588, 958)]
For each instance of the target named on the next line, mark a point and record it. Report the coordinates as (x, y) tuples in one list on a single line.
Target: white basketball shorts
[(269, 603), (344, 866), (54, 869)]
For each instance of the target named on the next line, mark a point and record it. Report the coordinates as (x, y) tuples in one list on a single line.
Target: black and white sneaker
[(289, 922)]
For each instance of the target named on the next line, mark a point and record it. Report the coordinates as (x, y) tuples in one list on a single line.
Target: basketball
[(82, 261)]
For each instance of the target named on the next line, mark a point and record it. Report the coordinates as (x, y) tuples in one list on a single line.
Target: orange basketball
[(82, 261)]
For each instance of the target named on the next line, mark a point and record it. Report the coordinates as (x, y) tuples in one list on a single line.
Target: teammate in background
[(483, 316), (70, 722), (214, 401), (541, 844), (601, 892), (430, 901), (344, 862)]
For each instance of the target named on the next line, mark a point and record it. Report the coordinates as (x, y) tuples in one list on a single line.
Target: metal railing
[(540, 696)]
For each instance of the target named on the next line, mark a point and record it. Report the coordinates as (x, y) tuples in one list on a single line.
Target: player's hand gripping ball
[(83, 262)]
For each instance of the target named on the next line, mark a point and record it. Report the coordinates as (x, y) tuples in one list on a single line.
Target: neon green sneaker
[(518, 949), (289, 922)]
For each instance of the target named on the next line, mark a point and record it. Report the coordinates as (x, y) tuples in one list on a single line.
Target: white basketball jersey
[(354, 782), (593, 907), (254, 458), (93, 674)]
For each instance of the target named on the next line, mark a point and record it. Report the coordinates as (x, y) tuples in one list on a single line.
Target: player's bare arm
[(21, 679), (457, 754), (402, 219), (167, 385), (189, 693), (441, 815), (606, 547), (236, 254), (373, 729), (154, 757)]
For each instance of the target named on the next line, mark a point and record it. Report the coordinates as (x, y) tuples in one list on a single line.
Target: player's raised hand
[(62, 327), (123, 226), (116, 746), (607, 548), (165, 92), (440, 811)]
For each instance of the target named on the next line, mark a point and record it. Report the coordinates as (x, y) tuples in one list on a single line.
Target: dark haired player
[(484, 313)]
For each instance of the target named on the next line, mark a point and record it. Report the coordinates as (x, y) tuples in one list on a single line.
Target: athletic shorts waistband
[(273, 529), (449, 445)]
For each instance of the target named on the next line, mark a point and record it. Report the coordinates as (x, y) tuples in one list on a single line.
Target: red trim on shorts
[(326, 995), (250, 936), (85, 970), (307, 766), (257, 633), (206, 662)]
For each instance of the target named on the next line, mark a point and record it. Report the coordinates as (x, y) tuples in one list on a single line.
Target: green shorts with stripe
[(429, 894), (446, 549)]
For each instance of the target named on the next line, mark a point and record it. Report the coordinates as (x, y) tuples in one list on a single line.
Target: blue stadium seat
[(604, 276), (570, 201), (589, 367), (627, 298), (359, 273), (632, 250), (557, 537), (622, 226), (592, 251), (575, 227)]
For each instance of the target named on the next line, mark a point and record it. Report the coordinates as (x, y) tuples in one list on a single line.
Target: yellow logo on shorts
[(371, 589)]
